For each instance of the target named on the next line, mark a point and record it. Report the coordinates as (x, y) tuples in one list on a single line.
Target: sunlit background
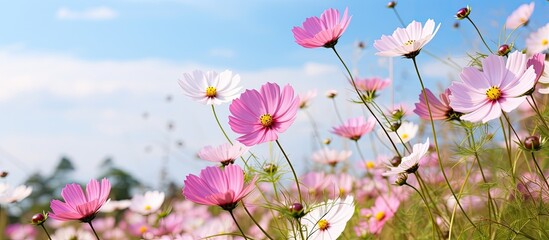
[(96, 80)]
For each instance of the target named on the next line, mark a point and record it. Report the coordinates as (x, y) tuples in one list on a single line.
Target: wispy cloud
[(96, 13)]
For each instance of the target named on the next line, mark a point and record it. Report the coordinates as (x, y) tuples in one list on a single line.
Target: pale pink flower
[(316, 185), (354, 128), (8, 194), (79, 205), (224, 153), (383, 210), (538, 62), (520, 16), (210, 87), (343, 184), (323, 31), (328, 219), (410, 163), (305, 98), (538, 41), (532, 187), (18, 231), (261, 115), (371, 85), (408, 41), (440, 109), (483, 95), (330, 156), (218, 187)]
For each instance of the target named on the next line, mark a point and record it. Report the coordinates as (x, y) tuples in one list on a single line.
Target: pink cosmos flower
[(538, 41), (323, 31), (218, 187), (408, 41), (305, 98), (440, 109), (372, 84), (520, 16), (383, 210), (499, 87), (80, 206), (261, 115), (354, 128), (538, 62), (224, 154), (316, 185)]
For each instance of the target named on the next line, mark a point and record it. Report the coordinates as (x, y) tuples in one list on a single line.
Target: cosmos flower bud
[(503, 50), (401, 179), (327, 141), (532, 143), (3, 174), (391, 4), (296, 210), (463, 13), (270, 168), (39, 218), (331, 94), (395, 161)]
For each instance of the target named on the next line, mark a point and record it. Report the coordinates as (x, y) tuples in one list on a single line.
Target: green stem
[(478, 31), (293, 171), (315, 128), (93, 229), (428, 209), (437, 147), (337, 111), (220, 127), (46, 231), (256, 223), (239, 228), (398, 16), (536, 109), (540, 171), (364, 102)]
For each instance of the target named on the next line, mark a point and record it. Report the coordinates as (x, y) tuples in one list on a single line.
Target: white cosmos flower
[(11, 195), (407, 131), (407, 41), (538, 41), (544, 79), (148, 203), (111, 206), (330, 156), (70, 232), (225, 153), (210, 87), (410, 163), (328, 220)]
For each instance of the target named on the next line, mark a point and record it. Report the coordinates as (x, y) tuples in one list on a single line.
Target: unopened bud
[(391, 4), (395, 161), (463, 13), (296, 210), (3, 174), (401, 179), (503, 50), (331, 93), (38, 219), (532, 143), (270, 168)]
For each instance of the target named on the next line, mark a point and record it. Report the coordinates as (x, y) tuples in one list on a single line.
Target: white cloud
[(96, 13)]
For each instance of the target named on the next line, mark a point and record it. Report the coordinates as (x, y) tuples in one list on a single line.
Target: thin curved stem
[(337, 111), (480, 34), (364, 102), (315, 128), (239, 228), (437, 147), (293, 171), (220, 127), (539, 169), (256, 223), (398, 16), (428, 209), (536, 109), (46, 231), (93, 229)]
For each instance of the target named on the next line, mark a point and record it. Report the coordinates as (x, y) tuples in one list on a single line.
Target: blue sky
[(76, 76)]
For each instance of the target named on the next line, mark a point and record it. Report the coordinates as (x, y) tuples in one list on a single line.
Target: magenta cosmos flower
[(224, 154), (482, 95), (440, 109), (408, 41), (323, 31), (261, 115), (520, 16), (354, 128), (79, 205), (218, 187)]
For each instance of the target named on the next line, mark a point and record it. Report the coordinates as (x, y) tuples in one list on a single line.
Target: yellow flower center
[(143, 229), (493, 93), (370, 165), (211, 91), (323, 224), (544, 42), (404, 136), (409, 42), (266, 120), (522, 20), (148, 207), (380, 215)]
